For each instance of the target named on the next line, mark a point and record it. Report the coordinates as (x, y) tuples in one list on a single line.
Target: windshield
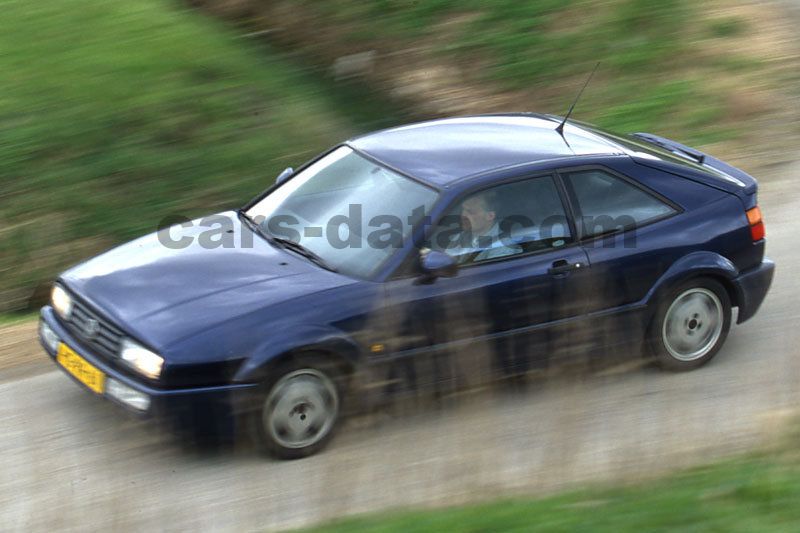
[(351, 212)]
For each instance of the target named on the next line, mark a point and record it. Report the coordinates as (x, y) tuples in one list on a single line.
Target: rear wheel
[(300, 410), (691, 324)]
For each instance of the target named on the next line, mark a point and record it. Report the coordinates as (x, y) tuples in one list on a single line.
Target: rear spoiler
[(721, 169), (686, 151)]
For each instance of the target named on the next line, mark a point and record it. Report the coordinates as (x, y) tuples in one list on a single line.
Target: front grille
[(104, 338)]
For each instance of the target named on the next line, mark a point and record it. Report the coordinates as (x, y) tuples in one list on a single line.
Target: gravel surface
[(20, 354)]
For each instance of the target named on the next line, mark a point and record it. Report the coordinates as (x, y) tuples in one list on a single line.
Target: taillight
[(757, 231)]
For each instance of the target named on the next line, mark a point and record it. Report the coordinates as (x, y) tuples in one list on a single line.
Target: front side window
[(608, 204), (503, 221), (348, 210)]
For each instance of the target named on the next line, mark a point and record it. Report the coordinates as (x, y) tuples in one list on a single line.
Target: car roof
[(446, 150)]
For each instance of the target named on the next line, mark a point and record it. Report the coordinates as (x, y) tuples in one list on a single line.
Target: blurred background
[(115, 114)]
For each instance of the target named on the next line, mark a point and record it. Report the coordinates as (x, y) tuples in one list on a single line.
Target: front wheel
[(299, 412), (691, 325)]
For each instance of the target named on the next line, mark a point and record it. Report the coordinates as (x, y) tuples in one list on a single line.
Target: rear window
[(607, 203)]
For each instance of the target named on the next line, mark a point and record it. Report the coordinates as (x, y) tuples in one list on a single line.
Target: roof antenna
[(560, 128)]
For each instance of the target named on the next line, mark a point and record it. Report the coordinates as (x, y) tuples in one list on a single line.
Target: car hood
[(160, 294)]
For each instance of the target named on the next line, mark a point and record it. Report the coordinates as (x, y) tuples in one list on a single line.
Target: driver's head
[(478, 212)]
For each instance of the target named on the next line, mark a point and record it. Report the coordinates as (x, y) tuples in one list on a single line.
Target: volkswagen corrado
[(440, 254)]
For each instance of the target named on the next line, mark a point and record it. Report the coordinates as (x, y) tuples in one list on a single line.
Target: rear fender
[(689, 266)]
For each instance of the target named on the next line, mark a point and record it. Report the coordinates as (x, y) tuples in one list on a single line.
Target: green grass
[(10, 319), (632, 34), (114, 114), (533, 42), (727, 27), (650, 77), (749, 494)]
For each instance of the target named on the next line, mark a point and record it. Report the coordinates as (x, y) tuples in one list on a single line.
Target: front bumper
[(751, 288), (208, 409)]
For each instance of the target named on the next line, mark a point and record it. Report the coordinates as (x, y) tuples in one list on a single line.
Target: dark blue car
[(432, 256)]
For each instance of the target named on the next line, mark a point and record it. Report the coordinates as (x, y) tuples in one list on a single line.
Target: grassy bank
[(750, 494), (664, 65), (115, 114), (11, 319)]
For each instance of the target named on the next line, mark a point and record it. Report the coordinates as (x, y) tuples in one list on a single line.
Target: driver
[(480, 238)]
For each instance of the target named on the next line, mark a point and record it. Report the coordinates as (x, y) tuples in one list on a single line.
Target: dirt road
[(69, 461)]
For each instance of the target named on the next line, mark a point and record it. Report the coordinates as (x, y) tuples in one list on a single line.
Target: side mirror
[(285, 175), (436, 265)]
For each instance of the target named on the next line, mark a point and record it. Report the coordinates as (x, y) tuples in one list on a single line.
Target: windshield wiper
[(253, 225), (301, 250), (285, 243)]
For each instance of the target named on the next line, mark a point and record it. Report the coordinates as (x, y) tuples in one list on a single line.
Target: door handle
[(562, 266)]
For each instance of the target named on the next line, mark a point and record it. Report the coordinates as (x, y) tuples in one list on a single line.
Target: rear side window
[(607, 203)]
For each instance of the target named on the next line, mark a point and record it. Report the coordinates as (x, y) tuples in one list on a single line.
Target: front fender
[(305, 338), (691, 265)]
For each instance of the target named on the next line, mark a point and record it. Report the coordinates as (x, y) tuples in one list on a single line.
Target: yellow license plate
[(81, 368)]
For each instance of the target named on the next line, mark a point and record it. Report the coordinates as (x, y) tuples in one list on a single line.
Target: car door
[(619, 222), (495, 316)]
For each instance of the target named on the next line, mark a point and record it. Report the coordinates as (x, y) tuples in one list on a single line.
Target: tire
[(299, 409), (690, 325)]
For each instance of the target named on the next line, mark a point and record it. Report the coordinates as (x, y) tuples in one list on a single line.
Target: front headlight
[(141, 359), (62, 301)]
